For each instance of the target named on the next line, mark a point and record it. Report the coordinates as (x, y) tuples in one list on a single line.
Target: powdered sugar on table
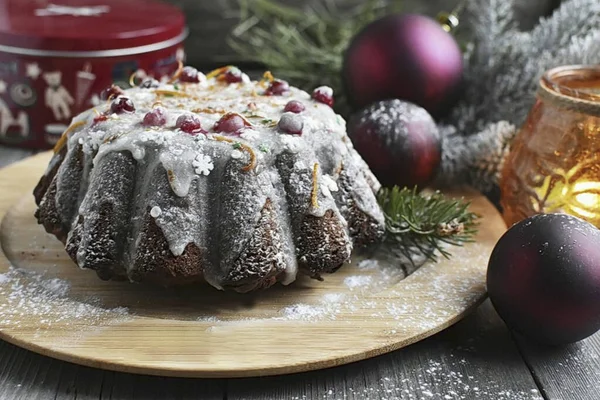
[(30, 294)]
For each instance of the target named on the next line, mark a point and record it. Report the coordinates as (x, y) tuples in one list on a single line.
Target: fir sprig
[(419, 225), (305, 45)]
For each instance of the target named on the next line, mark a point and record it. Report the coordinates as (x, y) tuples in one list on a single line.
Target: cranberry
[(291, 123), (230, 123), (277, 88), (156, 117), (150, 83), (323, 94), (294, 106), (122, 105), (99, 118), (111, 92), (190, 75), (232, 75), (189, 123)]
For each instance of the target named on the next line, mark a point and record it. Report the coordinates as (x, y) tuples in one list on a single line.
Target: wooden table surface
[(477, 358)]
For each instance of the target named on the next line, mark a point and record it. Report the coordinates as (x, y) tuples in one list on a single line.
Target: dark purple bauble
[(544, 278), (399, 141), (404, 56)]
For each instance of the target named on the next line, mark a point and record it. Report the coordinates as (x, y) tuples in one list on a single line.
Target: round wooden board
[(50, 306)]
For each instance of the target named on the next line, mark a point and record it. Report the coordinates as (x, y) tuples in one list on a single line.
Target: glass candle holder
[(554, 162)]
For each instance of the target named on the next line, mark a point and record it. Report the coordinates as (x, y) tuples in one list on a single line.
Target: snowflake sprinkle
[(328, 185), (203, 164)]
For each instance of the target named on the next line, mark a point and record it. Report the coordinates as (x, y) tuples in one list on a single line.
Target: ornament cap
[(449, 21)]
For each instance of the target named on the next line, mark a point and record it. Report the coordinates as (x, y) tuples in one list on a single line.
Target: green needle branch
[(421, 225)]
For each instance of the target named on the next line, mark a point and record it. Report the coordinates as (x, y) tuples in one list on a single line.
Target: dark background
[(211, 21)]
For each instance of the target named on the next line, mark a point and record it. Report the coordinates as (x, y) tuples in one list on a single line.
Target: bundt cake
[(219, 178)]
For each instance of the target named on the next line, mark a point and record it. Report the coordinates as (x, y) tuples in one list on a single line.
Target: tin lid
[(88, 28)]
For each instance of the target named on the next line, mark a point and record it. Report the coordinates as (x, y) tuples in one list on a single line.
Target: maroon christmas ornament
[(408, 57), (544, 278), (399, 141)]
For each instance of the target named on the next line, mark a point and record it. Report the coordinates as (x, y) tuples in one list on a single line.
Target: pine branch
[(422, 226), (305, 46), (476, 159)]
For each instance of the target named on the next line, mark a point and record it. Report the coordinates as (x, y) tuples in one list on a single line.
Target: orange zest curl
[(208, 110), (63, 139), (314, 195), (252, 164), (157, 103), (231, 114), (111, 98), (246, 122), (218, 71), (177, 73), (268, 76), (339, 169), (171, 176), (132, 79), (164, 92)]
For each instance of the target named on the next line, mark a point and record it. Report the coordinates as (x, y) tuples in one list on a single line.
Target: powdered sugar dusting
[(433, 381), (56, 286), (368, 264), (28, 294), (357, 281), (303, 311)]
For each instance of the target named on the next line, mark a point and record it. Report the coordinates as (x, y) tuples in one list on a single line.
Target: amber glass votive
[(554, 162)]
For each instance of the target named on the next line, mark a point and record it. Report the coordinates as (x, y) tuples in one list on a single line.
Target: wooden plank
[(129, 387), (26, 375), (77, 382), (474, 359), (568, 372), (9, 155)]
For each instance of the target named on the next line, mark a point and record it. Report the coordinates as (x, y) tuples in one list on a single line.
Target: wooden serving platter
[(50, 306)]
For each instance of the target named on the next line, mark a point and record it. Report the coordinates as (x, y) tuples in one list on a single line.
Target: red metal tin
[(57, 56)]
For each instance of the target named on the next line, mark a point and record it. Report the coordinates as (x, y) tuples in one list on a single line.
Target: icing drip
[(179, 165)]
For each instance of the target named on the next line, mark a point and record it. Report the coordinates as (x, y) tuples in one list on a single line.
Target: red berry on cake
[(190, 124), (155, 117), (294, 106), (323, 94), (291, 124), (122, 104), (99, 118), (230, 123), (111, 92), (232, 75), (277, 88), (191, 75)]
